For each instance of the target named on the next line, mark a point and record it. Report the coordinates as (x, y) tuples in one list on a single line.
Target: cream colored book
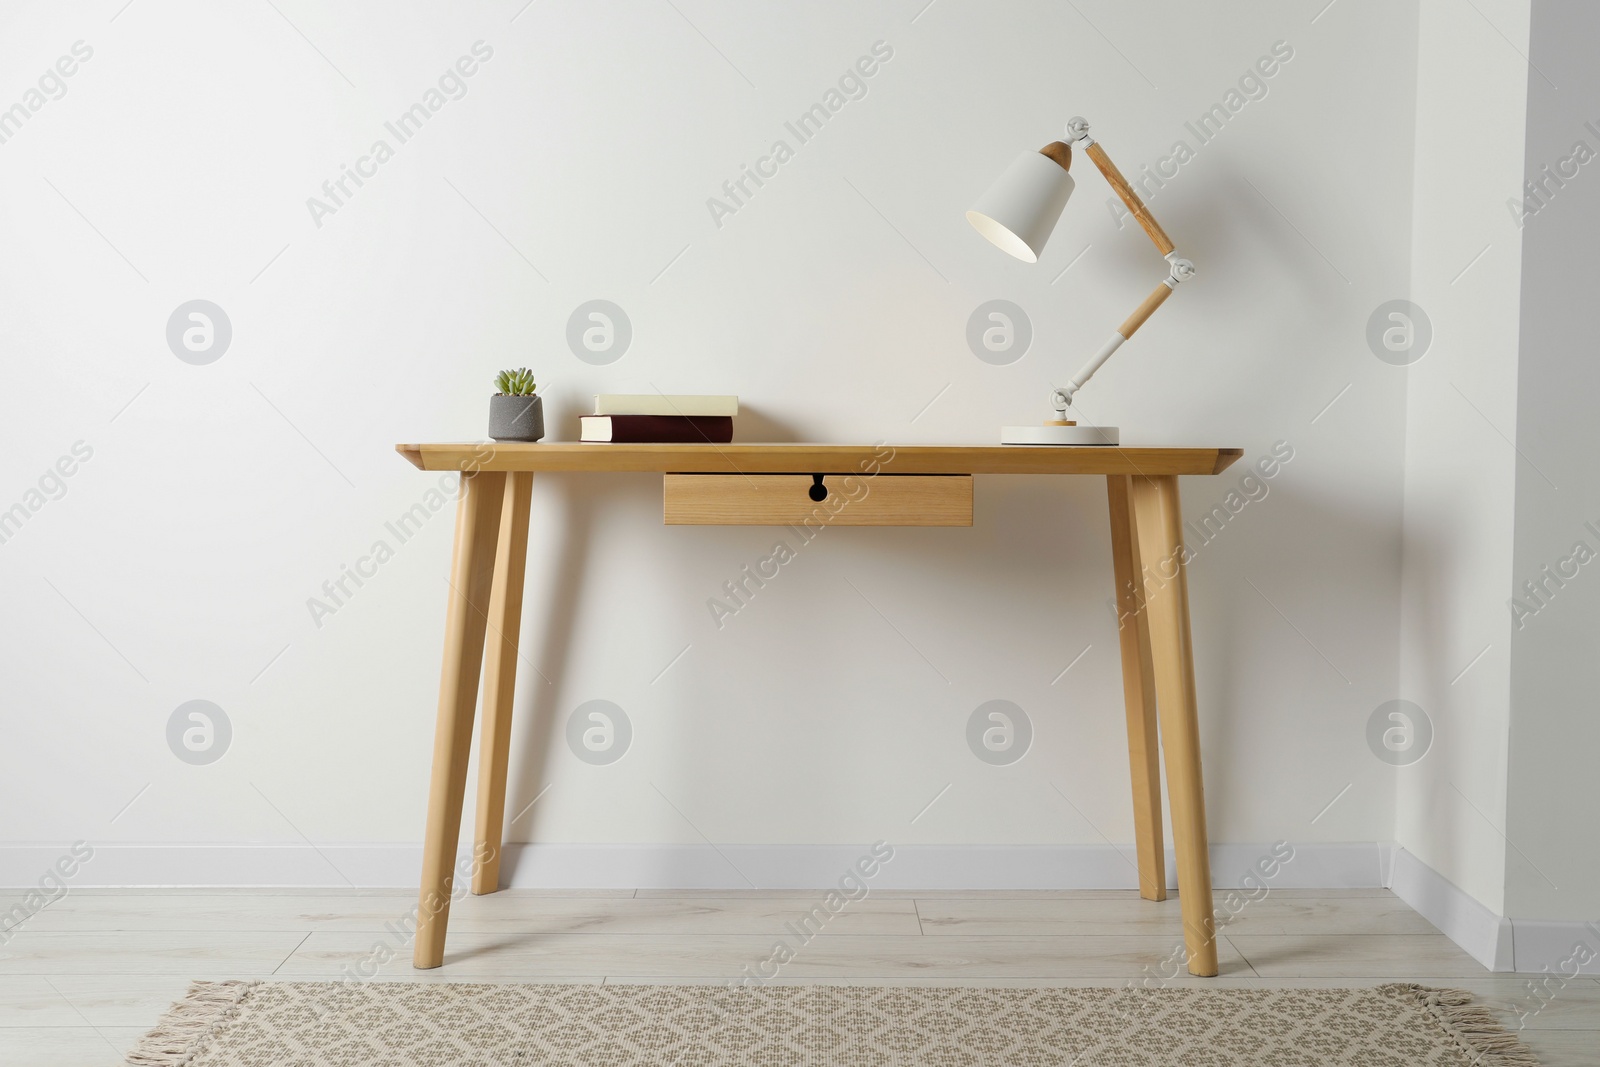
[(664, 404)]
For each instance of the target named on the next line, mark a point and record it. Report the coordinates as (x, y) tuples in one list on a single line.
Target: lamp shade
[(1020, 209)]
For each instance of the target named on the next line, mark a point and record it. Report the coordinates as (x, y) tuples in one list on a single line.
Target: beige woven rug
[(308, 1024)]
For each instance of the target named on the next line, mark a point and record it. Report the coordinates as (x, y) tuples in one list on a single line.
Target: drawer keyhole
[(818, 491)]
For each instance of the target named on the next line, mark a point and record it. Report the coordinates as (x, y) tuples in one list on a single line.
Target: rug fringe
[(177, 1039), (1473, 1026)]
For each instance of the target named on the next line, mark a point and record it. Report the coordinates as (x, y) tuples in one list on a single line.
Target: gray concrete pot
[(516, 418)]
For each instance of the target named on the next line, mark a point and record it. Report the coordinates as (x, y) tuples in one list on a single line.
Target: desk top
[(817, 459)]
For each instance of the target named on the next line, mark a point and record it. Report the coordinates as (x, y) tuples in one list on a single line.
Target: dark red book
[(658, 429)]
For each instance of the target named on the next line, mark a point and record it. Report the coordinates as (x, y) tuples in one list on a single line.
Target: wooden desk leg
[(1138, 692), (471, 574), (500, 679), (1158, 524)]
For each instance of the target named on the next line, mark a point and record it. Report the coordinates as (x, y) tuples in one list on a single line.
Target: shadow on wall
[(572, 521), (1233, 218), (1228, 650), (1018, 537), (755, 425), (1445, 791)]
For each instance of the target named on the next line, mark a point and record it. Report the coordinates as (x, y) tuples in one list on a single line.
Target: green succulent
[(515, 382)]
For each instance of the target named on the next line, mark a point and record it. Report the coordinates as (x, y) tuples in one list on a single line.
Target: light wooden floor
[(80, 981)]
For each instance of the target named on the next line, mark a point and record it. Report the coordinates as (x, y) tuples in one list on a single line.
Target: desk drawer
[(789, 499)]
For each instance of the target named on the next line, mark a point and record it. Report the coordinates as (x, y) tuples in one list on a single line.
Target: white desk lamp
[(1018, 212)]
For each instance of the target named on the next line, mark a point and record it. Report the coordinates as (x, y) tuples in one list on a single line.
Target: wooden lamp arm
[(1157, 297), (1181, 269), (1141, 213)]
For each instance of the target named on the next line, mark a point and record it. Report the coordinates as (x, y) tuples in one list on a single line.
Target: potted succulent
[(516, 412)]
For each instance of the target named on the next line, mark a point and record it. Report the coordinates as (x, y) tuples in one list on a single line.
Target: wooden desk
[(490, 556)]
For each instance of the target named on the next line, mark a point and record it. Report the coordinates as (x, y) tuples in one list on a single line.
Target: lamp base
[(1058, 435)]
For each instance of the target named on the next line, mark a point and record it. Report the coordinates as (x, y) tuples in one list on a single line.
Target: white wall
[(1461, 468), (1553, 870), (219, 498)]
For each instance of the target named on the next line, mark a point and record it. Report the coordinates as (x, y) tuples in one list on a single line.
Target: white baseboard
[(1526, 946), (578, 866), (1482, 934), (1559, 948)]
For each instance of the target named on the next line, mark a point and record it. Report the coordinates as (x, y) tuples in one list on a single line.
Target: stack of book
[(645, 418)]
